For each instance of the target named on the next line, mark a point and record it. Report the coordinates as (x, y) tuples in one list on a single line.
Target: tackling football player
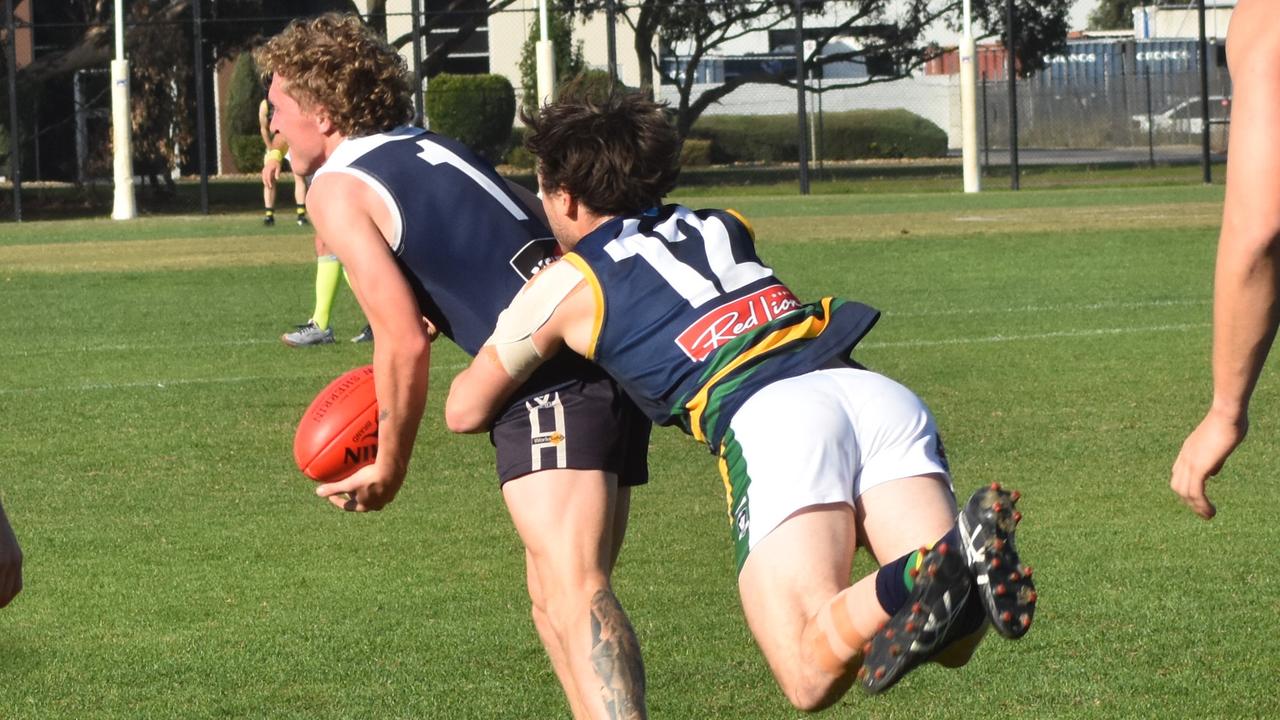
[(818, 454)]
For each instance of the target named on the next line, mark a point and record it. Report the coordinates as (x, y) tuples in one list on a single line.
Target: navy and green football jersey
[(691, 322)]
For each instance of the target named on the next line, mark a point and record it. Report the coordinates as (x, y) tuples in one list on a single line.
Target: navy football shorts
[(581, 425)]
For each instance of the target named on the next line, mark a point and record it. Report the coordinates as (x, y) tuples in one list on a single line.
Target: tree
[(1114, 14), (568, 56), (461, 17), (889, 33)]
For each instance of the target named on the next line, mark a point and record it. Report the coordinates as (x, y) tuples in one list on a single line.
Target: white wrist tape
[(529, 310)]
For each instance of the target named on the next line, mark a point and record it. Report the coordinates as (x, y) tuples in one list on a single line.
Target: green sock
[(328, 270)]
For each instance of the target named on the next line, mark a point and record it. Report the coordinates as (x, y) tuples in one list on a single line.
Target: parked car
[(1185, 117)]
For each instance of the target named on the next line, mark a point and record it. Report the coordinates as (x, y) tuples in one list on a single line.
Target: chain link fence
[(1118, 100)]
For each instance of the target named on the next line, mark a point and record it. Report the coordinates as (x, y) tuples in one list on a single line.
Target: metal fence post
[(611, 39), (986, 125), (1010, 21), (417, 62), (1151, 121), (1204, 97), (199, 68), (803, 136), (15, 131)]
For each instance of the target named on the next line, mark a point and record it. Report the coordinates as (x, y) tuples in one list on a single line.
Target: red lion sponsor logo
[(730, 320)]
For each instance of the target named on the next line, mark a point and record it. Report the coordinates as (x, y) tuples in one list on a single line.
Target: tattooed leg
[(615, 654)]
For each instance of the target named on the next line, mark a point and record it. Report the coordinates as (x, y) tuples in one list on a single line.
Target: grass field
[(179, 567)]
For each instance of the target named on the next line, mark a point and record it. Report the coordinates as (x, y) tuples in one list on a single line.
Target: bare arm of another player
[(352, 222), (555, 308), (274, 141), (10, 562), (1247, 272), (264, 123)]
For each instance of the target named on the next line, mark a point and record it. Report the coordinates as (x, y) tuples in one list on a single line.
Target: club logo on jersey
[(534, 256), (730, 320)]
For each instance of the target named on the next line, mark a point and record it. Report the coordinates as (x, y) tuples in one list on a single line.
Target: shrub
[(851, 135), (247, 152), (595, 83), (568, 55), (516, 155), (695, 152), (476, 110), (244, 94)]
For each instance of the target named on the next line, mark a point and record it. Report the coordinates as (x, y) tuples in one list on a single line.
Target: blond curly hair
[(334, 61)]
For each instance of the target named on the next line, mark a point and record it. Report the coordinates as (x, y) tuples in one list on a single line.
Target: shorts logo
[(547, 431), (732, 319)]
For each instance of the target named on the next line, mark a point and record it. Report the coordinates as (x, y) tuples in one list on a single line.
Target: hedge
[(247, 151), (476, 110), (244, 94), (851, 135)]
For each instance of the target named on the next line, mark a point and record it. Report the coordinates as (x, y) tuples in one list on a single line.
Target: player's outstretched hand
[(369, 488), (1203, 454), (10, 563)]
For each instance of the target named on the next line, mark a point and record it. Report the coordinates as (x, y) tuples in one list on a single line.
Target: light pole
[(969, 106), (546, 58), (123, 207)]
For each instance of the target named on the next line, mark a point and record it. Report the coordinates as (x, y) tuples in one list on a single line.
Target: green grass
[(179, 567)]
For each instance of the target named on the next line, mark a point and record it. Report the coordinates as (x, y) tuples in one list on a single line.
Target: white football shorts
[(824, 437)]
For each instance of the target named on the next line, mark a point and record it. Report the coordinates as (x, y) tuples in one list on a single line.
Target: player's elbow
[(463, 417)]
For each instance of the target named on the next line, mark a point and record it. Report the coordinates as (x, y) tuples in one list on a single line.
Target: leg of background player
[(300, 199), (316, 331)]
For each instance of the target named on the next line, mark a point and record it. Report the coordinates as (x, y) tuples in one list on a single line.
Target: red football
[(339, 432)]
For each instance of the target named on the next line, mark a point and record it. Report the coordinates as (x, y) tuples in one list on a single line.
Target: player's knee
[(570, 604)]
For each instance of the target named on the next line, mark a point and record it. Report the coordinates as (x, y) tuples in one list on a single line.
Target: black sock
[(894, 580)]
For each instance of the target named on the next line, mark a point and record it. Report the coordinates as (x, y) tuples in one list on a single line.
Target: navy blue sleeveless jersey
[(464, 241), (691, 323)]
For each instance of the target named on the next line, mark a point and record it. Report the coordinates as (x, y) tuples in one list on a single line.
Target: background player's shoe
[(366, 335), (986, 526), (268, 220), (942, 609), (308, 333), (302, 220)]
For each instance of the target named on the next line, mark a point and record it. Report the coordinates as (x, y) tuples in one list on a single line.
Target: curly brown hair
[(336, 62), (618, 154)]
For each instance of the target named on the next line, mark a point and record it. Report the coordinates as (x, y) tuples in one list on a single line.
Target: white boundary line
[(180, 382), (894, 314), (1137, 305), (164, 384), (1097, 332)]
